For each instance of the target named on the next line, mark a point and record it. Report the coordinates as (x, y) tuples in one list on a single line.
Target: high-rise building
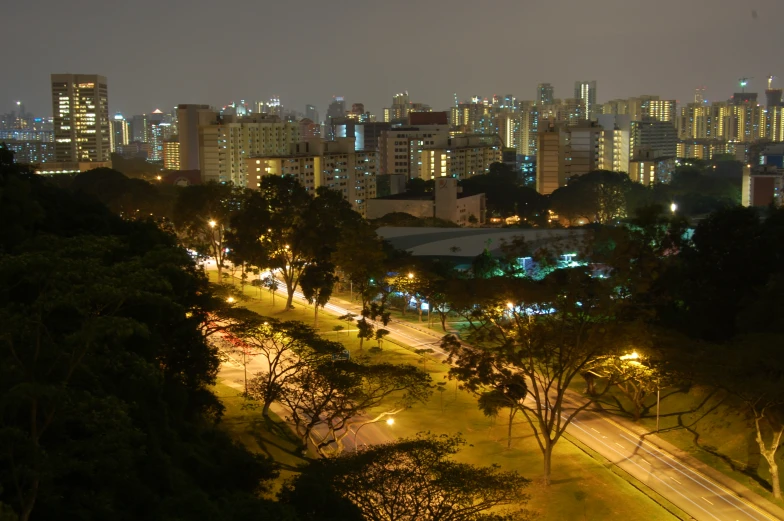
[(398, 112), (121, 131), (699, 95), (659, 137), (550, 143), (312, 114), (80, 104), (189, 118), (171, 155), (225, 145), (585, 91), (545, 94), (336, 109), (333, 164)]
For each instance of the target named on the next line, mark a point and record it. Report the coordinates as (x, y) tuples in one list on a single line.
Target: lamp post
[(389, 421)]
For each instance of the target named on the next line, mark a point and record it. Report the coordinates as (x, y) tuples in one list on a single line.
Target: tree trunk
[(770, 453), (315, 314), (265, 410), (289, 295), (509, 432), (442, 316), (548, 456), (774, 477)]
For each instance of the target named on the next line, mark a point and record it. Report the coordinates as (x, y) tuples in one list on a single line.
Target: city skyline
[(738, 41)]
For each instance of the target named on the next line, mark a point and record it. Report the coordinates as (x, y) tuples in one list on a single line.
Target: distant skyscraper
[(699, 95), (337, 109), (80, 104), (140, 128), (189, 118), (585, 91), (120, 131), (311, 113), (544, 94)]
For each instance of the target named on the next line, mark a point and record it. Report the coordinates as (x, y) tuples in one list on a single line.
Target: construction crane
[(743, 83), (770, 82)]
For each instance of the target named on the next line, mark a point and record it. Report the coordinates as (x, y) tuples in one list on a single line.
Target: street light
[(673, 207), (230, 300), (389, 421), (212, 223), (634, 357), (410, 275)]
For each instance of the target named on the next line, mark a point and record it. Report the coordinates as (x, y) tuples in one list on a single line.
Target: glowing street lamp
[(230, 300), (389, 421), (410, 275), (212, 223), (673, 207)]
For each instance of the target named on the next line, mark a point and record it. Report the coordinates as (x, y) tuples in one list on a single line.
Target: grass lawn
[(271, 437), (708, 425), (583, 488)]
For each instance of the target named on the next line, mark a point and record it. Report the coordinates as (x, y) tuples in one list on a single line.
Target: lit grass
[(269, 436), (582, 488)]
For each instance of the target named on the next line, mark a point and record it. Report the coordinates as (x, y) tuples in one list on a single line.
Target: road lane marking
[(676, 481), (687, 498), (719, 491), (621, 446), (707, 501), (594, 430)]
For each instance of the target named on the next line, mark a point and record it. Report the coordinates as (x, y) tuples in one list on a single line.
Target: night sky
[(163, 52)]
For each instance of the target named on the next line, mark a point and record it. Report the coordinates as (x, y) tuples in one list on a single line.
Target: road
[(700, 496)]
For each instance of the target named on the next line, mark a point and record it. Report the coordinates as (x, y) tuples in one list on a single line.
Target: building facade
[(80, 104)]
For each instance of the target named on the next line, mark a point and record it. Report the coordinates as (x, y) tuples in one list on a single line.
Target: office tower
[(121, 131), (336, 109), (544, 94), (585, 91), (189, 118), (311, 113), (171, 155), (401, 106), (550, 177), (80, 104), (140, 128), (699, 95)]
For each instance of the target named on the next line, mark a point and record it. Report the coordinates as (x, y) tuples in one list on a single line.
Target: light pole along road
[(701, 497)]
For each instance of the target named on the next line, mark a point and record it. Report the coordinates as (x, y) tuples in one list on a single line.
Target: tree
[(598, 196), (365, 327), (508, 393), (326, 399), (634, 375), (202, 215), (285, 228), (410, 479), (106, 374), (360, 256), (317, 282), (287, 348), (561, 325)]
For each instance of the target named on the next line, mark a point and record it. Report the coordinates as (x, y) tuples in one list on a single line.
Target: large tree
[(285, 228), (547, 331), (106, 374), (413, 479), (287, 349), (202, 215), (325, 400)]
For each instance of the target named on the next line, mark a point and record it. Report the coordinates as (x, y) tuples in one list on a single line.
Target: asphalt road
[(691, 491)]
